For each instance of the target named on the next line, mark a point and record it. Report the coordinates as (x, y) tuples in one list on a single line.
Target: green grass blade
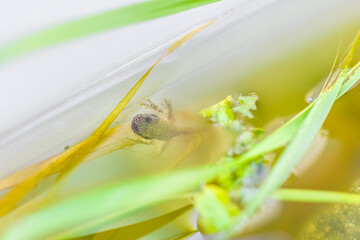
[(351, 81), (96, 23), (277, 139), (116, 199), (281, 136), (315, 196), (137, 230)]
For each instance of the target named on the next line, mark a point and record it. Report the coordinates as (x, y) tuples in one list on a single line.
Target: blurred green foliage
[(97, 23)]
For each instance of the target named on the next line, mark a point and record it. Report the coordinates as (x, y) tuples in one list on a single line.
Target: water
[(281, 85)]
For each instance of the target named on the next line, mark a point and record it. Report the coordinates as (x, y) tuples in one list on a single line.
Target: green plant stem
[(315, 196)]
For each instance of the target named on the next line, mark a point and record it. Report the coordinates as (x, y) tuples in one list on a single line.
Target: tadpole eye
[(148, 119)]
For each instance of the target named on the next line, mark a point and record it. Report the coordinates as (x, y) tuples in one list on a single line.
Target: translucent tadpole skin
[(152, 126)]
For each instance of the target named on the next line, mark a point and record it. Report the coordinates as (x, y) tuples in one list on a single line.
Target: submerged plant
[(299, 132), (219, 201)]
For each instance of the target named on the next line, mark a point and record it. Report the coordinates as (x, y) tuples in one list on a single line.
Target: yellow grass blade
[(74, 156), (331, 75), (116, 138), (344, 64), (349, 57)]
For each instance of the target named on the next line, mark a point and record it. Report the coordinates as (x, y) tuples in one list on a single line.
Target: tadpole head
[(143, 125), (152, 126)]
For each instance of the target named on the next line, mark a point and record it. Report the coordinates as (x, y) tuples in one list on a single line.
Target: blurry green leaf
[(103, 205), (277, 139), (246, 140), (248, 101), (216, 210), (316, 196), (96, 23), (250, 174), (137, 230)]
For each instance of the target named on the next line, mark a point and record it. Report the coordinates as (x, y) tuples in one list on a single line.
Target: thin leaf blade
[(137, 230), (101, 22), (315, 196)]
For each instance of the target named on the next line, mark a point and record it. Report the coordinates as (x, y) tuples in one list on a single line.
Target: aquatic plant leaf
[(74, 156), (247, 103), (225, 111), (216, 211), (137, 230), (220, 112), (246, 140), (97, 23), (112, 201)]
